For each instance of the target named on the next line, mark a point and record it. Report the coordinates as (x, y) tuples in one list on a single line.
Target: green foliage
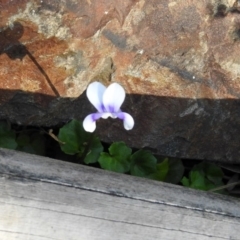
[(117, 159), (85, 146), (204, 176), (7, 136), (73, 136), (161, 171), (31, 143), (143, 163), (175, 171), (77, 141), (94, 151), (26, 142)]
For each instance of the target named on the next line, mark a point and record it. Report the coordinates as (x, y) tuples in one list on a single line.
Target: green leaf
[(197, 180), (161, 171), (74, 137), (38, 144), (117, 159), (205, 176), (27, 149), (31, 143), (185, 182), (23, 140), (78, 141), (214, 173), (4, 127), (110, 163), (94, 151), (143, 163), (7, 136), (8, 141), (120, 150), (175, 172)]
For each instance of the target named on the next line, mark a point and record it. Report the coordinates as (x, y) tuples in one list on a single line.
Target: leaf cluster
[(86, 147), (204, 176), (77, 141), (119, 157), (26, 142)]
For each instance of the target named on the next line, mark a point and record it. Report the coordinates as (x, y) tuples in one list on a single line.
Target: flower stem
[(86, 149)]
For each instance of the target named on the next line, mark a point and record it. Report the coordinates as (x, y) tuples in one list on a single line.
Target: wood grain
[(43, 198)]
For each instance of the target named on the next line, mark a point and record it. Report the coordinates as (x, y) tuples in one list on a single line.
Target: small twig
[(51, 134), (223, 187)]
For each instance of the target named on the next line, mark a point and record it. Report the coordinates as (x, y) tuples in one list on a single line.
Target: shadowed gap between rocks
[(174, 127)]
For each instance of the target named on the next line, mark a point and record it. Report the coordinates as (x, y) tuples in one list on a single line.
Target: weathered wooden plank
[(42, 198)]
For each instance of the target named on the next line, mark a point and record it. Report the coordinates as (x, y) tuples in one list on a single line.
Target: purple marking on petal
[(89, 122), (121, 115), (96, 116), (128, 121), (111, 109), (102, 108)]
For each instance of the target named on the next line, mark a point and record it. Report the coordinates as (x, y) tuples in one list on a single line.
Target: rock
[(178, 61)]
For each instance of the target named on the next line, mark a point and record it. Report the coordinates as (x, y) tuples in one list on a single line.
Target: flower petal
[(128, 121), (95, 92), (89, 122), (113, 97)]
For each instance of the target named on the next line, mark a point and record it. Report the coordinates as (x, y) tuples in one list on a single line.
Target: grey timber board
[(43, 198)]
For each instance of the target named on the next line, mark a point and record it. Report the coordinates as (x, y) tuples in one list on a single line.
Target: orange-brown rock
[(177, 59)]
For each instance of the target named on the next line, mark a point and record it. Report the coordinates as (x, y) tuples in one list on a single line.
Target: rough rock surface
[(178, 61)]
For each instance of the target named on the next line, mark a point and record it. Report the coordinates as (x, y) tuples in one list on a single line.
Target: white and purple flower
[(107, 101)]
